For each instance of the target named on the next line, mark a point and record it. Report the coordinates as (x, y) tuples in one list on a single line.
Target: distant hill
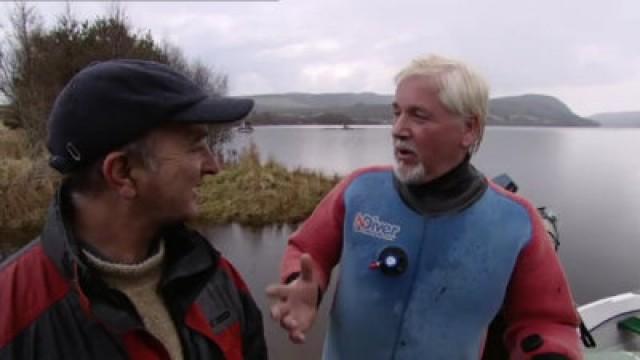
[(618, 119), (538, 110), (313, 101), (332, 108), (370, 108)]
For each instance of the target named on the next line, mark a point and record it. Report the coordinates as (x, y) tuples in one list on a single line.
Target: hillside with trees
[(618, 119), (533, 110), (370, 108)]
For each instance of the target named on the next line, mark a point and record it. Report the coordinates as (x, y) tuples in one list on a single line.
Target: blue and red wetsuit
[(463, 267)]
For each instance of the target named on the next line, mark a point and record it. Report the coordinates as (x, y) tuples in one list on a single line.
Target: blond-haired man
[(429, 249)]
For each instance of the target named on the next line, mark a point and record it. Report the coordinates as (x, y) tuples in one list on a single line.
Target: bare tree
[(212, 82), (16, 68), (35, 63)]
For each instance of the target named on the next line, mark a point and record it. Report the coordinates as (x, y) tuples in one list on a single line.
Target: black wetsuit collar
[(451, 192)]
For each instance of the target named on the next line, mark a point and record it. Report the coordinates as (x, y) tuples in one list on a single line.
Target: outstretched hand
[(295, 305)]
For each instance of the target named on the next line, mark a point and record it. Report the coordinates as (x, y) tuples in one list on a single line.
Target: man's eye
[(421, 114), (200, 145)]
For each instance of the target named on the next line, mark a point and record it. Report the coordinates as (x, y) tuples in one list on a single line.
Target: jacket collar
[(57, 238), (189, 263)]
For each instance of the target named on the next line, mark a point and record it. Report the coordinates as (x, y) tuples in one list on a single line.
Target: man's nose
[(212, 163), (400, 128)]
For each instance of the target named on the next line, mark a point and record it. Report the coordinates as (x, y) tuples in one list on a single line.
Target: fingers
[(276, 291), (293, 302), (289, 323), (297, 337), (306, 267), (296, 332), (279, 310)]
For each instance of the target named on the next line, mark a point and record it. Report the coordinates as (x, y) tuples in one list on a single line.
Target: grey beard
[(410, 175)]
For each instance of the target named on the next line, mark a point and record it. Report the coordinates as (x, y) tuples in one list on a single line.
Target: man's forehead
[(423, 82), (186, 129), (176, 132), (196, 129), (416, 87)]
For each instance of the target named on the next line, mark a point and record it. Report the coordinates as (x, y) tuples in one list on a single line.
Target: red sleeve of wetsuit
[(320, 235), (539, 308)]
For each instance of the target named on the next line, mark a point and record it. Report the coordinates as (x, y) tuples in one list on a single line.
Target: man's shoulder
[(223, 267), (226, 292), (21, 259), (227, 269), (370, 170), (515, 200), (365, 172), (29, 284), (28, 270)]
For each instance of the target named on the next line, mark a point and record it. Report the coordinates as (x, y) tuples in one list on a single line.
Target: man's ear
[(116, 170), (471, 131)]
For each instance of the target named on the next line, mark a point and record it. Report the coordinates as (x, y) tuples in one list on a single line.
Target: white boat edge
[(600, 311)]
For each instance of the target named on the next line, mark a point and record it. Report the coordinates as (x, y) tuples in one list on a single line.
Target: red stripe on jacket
[(229, 340), (28, 287), (235, 276)]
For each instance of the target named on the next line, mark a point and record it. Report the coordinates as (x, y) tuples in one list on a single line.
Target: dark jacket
[(54, 306)]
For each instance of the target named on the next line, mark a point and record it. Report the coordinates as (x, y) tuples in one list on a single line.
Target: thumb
[(275, 291), (306, 268)]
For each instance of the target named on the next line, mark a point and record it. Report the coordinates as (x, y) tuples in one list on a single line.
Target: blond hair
[(460, 89)]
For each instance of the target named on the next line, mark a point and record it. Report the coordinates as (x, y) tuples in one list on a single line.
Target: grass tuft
[(26, 187), (255, 194)]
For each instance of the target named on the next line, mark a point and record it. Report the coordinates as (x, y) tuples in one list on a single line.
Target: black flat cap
[(112, 103)]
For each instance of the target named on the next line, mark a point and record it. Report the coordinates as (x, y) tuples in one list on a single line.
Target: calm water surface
[(589, 177)]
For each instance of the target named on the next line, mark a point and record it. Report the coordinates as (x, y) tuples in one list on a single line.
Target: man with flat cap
[(115, 273)]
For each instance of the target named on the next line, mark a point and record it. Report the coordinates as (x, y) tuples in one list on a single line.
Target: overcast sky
[(585, 52)]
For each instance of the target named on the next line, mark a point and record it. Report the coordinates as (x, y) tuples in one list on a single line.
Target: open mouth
[(404, 156), (405, 152)]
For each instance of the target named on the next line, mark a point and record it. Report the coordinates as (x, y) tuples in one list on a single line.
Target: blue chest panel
[(458, 270)]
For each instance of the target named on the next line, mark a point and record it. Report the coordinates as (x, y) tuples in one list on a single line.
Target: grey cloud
[(519, 45)]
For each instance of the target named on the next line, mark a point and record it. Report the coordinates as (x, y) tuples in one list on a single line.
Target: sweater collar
[(126, 272), (189, 260)]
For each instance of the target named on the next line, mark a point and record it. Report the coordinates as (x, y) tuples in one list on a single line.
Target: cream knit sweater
[(140, 283)]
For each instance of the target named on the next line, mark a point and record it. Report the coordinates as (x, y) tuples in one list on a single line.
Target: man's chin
[(186, 216), (412, 175)]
